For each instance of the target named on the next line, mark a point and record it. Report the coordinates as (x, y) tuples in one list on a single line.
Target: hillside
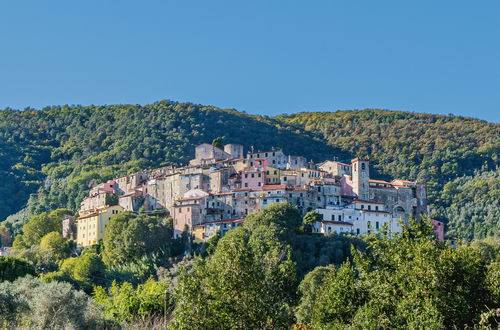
[(58, 152)]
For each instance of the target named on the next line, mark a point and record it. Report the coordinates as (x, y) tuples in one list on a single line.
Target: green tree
[(311, 218), (5, 237), (130, 236), (54, 244), (217, 142), (123, 303), (29, 303), (12, 268), (307, 290), (248, 282), (40, 225), (408, 280)]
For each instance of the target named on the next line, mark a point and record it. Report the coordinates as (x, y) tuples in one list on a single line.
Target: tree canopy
[(51, 157)]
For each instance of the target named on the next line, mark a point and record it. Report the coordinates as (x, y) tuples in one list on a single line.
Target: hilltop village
[(221, 186)]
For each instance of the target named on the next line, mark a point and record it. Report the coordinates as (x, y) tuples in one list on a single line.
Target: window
[(246, 211), (259, 184), (362, 206), (246, 176), (253, 175), (376, 208), (274, 161), (246, 185), (319, 189), (284, 178), (267, 172), (376, 225), (260, 175), (266, 154), (357, 231), (363, 166), (369, 207), (277, 200)]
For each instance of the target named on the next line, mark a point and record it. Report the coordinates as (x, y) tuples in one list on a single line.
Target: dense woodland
[(271, 273), (50, 158)]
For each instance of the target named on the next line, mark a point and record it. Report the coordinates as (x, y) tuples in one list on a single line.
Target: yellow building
[(91, 226), (273, 175)]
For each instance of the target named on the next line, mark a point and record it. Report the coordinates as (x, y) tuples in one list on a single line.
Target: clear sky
[(266, 57)]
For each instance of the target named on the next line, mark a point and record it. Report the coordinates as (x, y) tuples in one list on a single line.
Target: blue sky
[(266, 57)]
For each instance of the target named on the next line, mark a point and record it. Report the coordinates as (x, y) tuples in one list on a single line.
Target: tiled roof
[(273, 187)]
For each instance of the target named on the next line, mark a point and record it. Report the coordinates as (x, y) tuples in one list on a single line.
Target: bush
[(30, 303), (11, 268)]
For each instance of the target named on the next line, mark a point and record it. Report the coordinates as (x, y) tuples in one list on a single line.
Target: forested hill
[(56, 153)]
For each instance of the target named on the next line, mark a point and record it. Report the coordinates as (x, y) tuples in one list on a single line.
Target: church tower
[(360, 177)]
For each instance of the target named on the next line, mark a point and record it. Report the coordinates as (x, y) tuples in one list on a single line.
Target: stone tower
[(360, 177), (235, 150)]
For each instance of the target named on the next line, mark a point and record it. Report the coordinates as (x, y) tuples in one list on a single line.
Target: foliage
[(217, 142), (248, 282), (5, 237), (313, 250), (307, 291), (71, 148), (428, 148), (130, 236), (12, 268), (83, 272), (29, 303), (123, 303), (311, 218), (54, 244), (38, 226), (411, 281), (472, 205)]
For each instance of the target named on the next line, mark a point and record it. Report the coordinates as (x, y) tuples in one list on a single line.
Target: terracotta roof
[(405, 181), (273, 187), (222, 193), (380, 181), (242, 189)]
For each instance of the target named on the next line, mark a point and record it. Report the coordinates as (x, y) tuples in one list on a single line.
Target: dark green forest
[(50, 157)]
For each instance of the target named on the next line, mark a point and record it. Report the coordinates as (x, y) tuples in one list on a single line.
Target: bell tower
[(360, 177)]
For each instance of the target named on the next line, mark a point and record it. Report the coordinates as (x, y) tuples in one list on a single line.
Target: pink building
[(438, 230), (254, 177), (346, 186)]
